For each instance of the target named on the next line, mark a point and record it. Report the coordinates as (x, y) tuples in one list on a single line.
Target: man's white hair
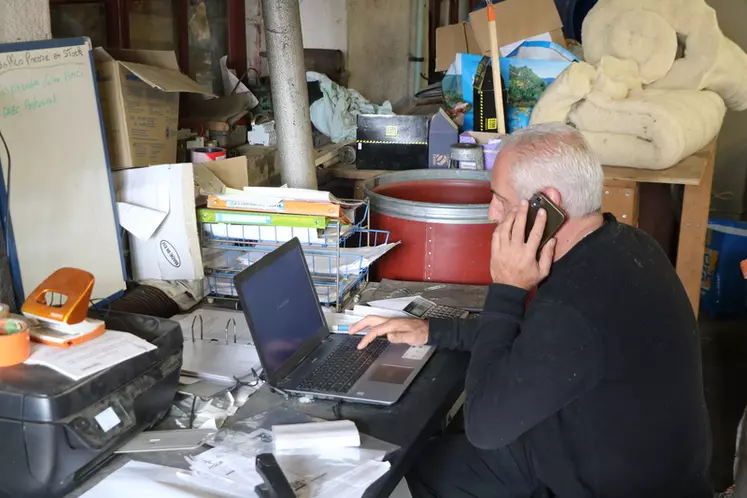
[(555, 155)]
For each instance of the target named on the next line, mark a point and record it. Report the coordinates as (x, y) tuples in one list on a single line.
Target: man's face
[(504, 195)]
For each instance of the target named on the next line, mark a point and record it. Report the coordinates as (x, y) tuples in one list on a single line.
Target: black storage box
[(390, 142), (50, 435), (483, 96)]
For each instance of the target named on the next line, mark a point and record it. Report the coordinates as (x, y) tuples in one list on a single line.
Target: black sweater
[(600, 377)]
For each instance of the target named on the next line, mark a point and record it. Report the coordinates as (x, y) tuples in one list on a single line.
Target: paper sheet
[(91, 357), (363, 311), (144, 480), (317, 435)]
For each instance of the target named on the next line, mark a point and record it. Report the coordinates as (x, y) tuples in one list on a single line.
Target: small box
[(389, 142), (262, 134), (443, 132), (139, 94)]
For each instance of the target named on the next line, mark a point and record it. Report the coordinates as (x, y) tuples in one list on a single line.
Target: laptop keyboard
[(343, 367)]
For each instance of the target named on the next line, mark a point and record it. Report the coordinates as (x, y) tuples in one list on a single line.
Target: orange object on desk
[(15, 342), (67, 324)]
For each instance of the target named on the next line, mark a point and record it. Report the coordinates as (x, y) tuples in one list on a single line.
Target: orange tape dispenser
[(15, 344), (64, 325)]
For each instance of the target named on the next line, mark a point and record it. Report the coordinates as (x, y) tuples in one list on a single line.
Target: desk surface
[(409, 423)]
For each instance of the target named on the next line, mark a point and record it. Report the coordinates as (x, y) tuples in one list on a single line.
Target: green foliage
[(525, 87)]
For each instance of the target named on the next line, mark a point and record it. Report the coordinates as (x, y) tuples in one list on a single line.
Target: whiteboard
[(61, 199)]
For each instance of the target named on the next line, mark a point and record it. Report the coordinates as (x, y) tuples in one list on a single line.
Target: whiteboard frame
[(15, 270)]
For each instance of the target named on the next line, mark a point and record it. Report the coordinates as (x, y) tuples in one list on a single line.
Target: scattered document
[(363, 311), (77, 362), (318, 435), (145, 480), (353, 483), (394, 304)]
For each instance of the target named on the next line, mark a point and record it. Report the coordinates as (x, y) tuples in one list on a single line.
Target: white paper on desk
[(77, 362), (318, 435), (395, 304), (172, 252), (363, 311), (214, 323), (145, 480), (353, 483)]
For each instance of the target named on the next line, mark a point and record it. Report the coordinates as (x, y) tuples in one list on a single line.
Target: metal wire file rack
[(337, 272)]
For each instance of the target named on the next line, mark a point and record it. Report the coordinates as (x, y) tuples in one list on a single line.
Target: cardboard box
[(390, 142), (139, 93), (442, 134), (156, 205), (516, 20), (454, 39), (256, 168)]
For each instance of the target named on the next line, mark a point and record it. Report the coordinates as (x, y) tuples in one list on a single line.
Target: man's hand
[(513, 261), (397, 330)]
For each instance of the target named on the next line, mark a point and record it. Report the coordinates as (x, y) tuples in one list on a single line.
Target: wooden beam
[(695, 207)]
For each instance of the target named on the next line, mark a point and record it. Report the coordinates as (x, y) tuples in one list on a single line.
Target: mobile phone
[(555, 218)]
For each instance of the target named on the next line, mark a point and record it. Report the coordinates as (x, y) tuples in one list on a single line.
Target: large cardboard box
[(454, 39), (139, 93), (516, 20)]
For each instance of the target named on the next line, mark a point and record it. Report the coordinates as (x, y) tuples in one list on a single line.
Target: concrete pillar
[(290, 99), (24, 20)]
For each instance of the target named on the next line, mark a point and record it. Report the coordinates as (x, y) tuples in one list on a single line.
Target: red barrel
[(441, 219)]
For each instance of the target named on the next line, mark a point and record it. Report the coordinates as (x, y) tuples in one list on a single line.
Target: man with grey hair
[(592, 388)]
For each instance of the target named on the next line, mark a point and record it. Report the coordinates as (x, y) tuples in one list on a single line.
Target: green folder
[(205, 215)]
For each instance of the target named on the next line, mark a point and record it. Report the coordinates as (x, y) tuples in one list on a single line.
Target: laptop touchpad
[(391, 374)]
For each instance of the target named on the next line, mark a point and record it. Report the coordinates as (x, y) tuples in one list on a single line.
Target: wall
[(731, 158), (24, 20), (379, 40), (324, 24)]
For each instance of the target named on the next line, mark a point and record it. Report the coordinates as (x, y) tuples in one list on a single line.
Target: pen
[(341, 328)]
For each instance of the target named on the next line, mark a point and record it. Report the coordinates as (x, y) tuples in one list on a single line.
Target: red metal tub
[(441, 219)]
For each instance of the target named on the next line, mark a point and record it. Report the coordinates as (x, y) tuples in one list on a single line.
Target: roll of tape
[(15, 341)]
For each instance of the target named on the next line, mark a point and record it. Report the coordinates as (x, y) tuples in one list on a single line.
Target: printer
[(56, 431)]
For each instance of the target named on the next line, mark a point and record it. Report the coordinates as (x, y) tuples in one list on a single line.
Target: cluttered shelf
[(338, 252)]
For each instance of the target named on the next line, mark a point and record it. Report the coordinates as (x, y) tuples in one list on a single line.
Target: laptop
[(298, 352)]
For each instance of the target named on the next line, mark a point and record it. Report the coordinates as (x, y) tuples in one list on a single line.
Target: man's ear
[(554, 195)]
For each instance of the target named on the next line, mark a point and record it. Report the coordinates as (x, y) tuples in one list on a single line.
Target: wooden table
[(621, 198), (696, 174)]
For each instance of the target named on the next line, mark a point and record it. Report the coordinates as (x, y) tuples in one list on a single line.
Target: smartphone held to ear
[(555, 218)]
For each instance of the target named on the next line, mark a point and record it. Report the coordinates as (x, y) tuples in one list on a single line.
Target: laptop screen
[(281, 305)]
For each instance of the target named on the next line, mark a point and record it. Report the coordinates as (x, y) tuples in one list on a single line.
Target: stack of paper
[(77, 362)]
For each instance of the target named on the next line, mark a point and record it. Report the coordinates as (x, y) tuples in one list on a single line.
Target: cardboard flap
[(101, 55), (166, 80), (515, 21), (454, 39), (165, 59)]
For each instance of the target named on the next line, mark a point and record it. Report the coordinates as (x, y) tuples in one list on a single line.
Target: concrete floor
[(724, 347)]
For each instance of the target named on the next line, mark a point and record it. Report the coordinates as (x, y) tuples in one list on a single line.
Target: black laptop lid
[(282, 309)]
